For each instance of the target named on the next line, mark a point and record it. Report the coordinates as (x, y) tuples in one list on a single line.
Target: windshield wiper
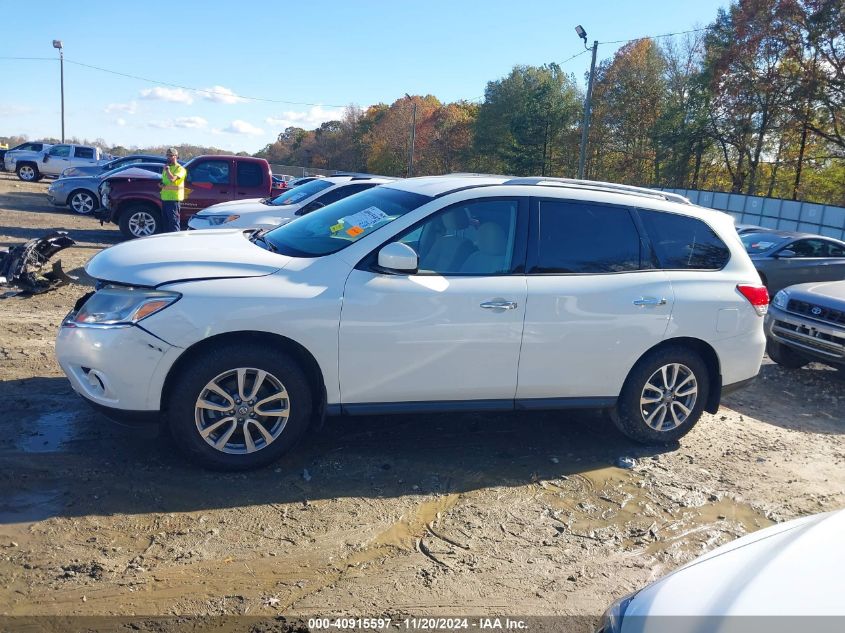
[(259, 235)]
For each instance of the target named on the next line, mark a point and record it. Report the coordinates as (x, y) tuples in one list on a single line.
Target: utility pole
[(58, 44), (413, 138), (585, 124)]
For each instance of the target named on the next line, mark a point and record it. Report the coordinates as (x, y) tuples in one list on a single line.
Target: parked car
[(271, 212), (96, 170), (302, 180), (81, 193), (133, 199), (457, 293), (785, 258), (29, 146), (750, 578), (742, 229), (807, 323), (32, 166)]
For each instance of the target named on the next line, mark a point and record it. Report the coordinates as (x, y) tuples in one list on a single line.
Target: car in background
[(81, 193), (272, 212), (736, 585), (742, 229), (806, 323), (449, 293), (302, 180), (94, 170), (786, 258), (32, 166), (29, 146)]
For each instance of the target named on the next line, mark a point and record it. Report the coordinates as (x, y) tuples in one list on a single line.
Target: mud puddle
[(49, 433)]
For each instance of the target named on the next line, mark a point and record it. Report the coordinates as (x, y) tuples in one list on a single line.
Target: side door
[(83, 157), (451, 332), (250, 180), (596, 303), (209, 181), (55, 160)]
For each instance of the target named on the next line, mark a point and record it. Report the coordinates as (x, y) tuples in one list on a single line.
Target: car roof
[(152, 156), (794, 235), (336, 180)]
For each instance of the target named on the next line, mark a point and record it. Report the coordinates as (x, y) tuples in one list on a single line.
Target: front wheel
[(83, 202), (237, 407), (663, 396), (28, 173), (139, 221)]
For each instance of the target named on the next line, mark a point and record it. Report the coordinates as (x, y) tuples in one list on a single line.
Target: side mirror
[(786, 254), (398, 257), (46, 157)]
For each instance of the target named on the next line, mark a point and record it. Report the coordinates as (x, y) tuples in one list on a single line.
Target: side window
[(579, 237), (215, 172), (60, 151), (682, 242), (83, 152), (835, 250), (249, 174), (475, 238), (339, 193)]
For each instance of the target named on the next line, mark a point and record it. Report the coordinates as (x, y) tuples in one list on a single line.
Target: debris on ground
[(626, 462), (20, 266)]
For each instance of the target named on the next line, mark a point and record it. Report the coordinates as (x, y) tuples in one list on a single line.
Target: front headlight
[(217, 220), (611, 621), (115, 305), (781, 299)]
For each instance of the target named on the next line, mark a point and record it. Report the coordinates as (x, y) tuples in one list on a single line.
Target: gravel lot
[(430, 515)]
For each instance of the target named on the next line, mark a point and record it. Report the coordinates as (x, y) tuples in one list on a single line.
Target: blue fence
[(774, 213)]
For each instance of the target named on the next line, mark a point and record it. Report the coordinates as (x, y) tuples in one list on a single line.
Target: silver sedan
[(80, 192)]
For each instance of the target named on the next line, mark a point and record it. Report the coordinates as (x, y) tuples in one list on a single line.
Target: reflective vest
[(173, 189)]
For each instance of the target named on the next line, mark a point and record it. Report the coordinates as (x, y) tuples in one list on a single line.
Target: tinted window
[(340, 193), (300, 193), (684, 242), (214, 171), (83, 152), (60, 151), (576, 237), (249, 174), (816, 248)]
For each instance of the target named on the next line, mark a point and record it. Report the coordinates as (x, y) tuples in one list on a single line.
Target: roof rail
[(599, 186)]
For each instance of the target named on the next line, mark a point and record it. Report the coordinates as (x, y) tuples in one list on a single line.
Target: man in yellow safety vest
[(172, 191)]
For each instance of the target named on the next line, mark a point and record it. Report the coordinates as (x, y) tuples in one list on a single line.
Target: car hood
[(248, 204), (821, 292), (75, 181), (754, 575), (171, 257), (135, 172)]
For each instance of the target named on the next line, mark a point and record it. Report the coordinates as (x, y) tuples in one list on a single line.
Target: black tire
[(135, 216), (28, 172), (189, 385), (784, 356), (83, 202), (630, 416)]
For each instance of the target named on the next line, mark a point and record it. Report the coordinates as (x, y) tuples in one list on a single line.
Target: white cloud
[(309, 119), (194, 122), (121, 122), (128, 108), (242, 127), (176, 95), (221, 94)]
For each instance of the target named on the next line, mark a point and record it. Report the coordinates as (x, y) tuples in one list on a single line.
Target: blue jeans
[(170, 215)]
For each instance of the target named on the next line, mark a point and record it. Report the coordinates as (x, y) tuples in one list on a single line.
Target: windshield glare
[(760, 242), (337, 225), (300, 193)]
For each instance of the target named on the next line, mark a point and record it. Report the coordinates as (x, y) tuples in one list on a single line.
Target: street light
[(413, 138), (585, 124), (58, 44)]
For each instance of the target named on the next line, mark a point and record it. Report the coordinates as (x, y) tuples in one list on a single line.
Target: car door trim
[(458, 406)]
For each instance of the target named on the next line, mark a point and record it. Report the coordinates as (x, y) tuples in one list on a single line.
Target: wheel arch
[(269, 340), (707, 354)]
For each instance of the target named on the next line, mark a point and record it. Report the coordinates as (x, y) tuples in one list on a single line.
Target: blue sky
[(314, 55)]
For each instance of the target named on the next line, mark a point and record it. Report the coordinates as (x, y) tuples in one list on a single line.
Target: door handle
[(499, 305), (650, 301)]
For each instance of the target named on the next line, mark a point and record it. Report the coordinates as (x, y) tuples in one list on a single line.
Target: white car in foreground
[(448, 293), (751, 584), (267, 213)]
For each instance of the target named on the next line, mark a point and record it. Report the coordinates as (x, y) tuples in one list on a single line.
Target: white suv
[(258, 213), (448, 293)]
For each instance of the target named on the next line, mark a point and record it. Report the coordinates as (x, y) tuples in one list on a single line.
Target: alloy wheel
[(26, 173), (82, 203), (142, 224), (668, 397)]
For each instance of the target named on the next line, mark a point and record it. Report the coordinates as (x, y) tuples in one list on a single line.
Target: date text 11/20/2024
[(417, 624)]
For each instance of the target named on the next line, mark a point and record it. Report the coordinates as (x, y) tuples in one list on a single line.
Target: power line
[(654, 37), (569, 59)]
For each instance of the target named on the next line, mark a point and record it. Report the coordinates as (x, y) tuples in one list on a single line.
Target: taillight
[(757, 296)]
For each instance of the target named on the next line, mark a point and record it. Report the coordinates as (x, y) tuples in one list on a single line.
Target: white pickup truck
[(32, 166)]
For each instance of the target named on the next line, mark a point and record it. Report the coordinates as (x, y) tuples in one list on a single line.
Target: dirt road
[(430, 515)]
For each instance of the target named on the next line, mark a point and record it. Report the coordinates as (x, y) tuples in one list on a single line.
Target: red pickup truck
[(131, 198)]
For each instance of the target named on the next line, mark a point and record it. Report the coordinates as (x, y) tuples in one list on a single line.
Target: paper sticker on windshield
[(366, 218), (336, 228), (355, 231), (296, 197), (763, 245)]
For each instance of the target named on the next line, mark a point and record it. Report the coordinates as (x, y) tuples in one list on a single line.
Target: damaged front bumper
[(21, 266)]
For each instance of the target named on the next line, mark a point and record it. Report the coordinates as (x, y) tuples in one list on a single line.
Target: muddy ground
[(430, 515)]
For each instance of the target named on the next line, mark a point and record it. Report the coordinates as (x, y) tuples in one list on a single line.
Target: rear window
[(249, 174), (682, 242), (577, 237)]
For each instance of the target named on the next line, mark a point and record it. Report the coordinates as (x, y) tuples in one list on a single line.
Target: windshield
[(756, 243), (337, 225), (300, 193)]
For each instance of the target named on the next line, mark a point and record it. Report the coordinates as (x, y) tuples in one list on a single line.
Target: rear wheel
[(83, 202), (784, 356), (663, 396), (237, 407), (28, 172), (140, 221)]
